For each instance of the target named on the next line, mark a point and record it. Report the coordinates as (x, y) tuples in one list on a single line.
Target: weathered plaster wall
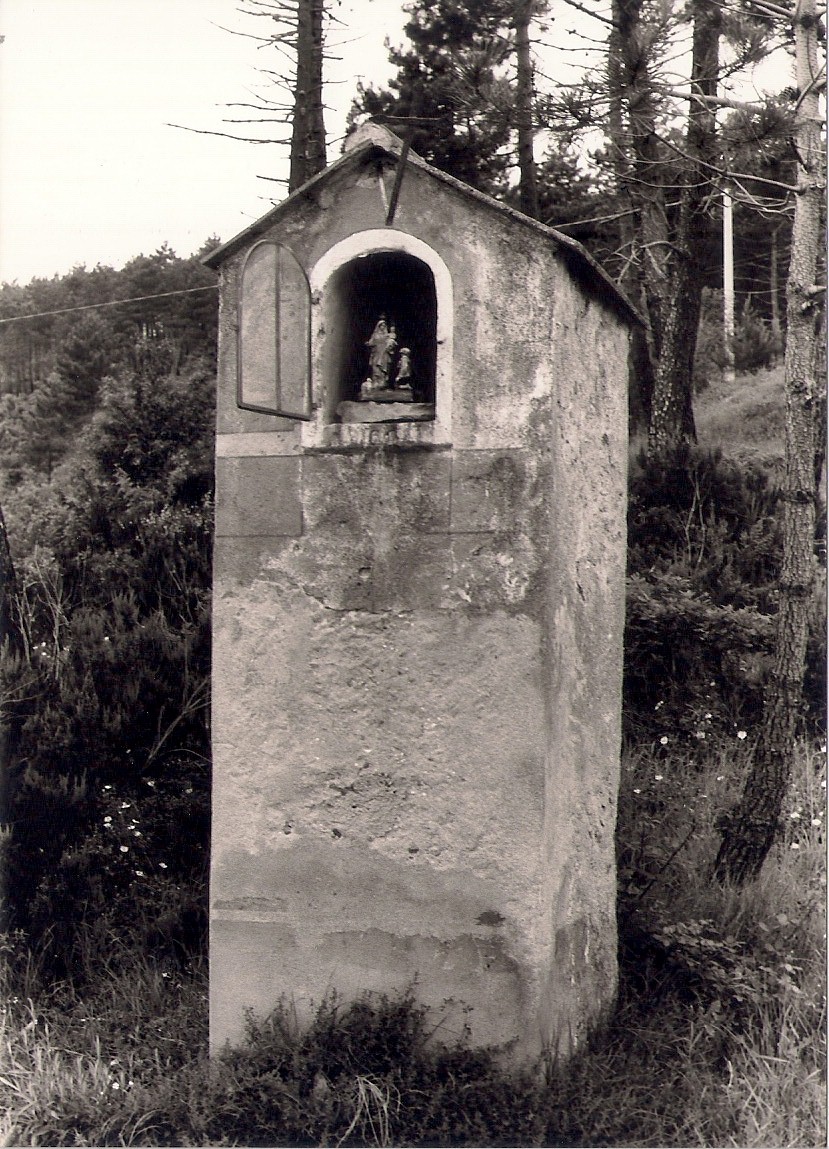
[(417, 660)]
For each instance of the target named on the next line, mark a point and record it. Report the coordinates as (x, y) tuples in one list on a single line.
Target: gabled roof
[(375, 139)]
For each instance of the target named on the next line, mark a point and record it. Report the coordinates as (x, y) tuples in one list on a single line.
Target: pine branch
[(224, 135)]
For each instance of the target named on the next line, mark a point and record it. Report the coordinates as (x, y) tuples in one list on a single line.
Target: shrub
[(703, 559), (704, 552), (754, 343), (108, 690)]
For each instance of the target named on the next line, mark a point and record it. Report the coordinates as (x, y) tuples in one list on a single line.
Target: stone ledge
[(350, 411)]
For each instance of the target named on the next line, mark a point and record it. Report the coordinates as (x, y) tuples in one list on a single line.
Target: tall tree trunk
[(527, 187), (751, 828), (9, 646), (308, 134), (672, 416), (622, 158), (774, 291), (728, 285), (639, 165)]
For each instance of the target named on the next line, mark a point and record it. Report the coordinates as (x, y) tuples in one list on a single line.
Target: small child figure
[(404, 371)]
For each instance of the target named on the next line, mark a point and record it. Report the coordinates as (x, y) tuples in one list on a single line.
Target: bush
[(704, 547), (108, 688), (754, 344)]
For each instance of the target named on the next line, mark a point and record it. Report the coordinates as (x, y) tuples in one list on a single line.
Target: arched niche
[(372, 274)]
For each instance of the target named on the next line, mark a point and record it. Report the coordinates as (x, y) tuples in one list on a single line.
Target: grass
[(746, 418), (718, 1037)]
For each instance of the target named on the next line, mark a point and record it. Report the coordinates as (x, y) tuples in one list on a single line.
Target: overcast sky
[(89, 171)]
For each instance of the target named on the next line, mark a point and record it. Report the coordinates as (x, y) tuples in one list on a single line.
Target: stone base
[(368, 411)]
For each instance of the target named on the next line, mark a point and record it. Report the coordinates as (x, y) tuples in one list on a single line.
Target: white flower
[(664, 739), (795, 815), (659, 777), (125, 849), (636, 790), (741, 734), (795, 846), (816, 822)]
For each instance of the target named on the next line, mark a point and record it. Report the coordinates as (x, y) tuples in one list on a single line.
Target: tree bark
[(638, 164), (527, 187), (308, 133), (774, 290), (672, 415), (750, 830), (9, 646)]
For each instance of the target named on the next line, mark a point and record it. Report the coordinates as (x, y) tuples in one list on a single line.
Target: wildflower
[(106, 638), (126, 805), (721, 777), (795, 815), (708, 715), (162, 865), (816, 822), (107, 819), (137, 833), (125, 849), (741, 734), (636, 790), (699, 735), (659, 777), (664, 739), (115, 1085), (659, 705), (140, 874), (795, 846)]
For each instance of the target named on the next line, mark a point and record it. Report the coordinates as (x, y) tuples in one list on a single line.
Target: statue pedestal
[(385, 411)]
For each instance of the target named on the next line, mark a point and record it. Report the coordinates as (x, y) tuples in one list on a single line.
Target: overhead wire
[(106, 303)]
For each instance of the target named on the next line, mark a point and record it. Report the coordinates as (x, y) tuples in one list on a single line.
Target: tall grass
[(718, 1038)]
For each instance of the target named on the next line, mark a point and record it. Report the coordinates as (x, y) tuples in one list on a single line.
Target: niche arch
[(380, 271)]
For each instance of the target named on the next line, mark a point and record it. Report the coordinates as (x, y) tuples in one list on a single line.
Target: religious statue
[(403, 379), (383, 383), (382, 342)]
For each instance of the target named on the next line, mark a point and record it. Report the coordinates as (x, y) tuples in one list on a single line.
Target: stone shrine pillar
[(418, 617)]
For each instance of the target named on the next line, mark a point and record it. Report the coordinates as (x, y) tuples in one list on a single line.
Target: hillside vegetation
[(746, 419), (106, 483)]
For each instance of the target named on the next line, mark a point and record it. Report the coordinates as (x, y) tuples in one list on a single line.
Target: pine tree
[(452, 75), (750, 830)]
